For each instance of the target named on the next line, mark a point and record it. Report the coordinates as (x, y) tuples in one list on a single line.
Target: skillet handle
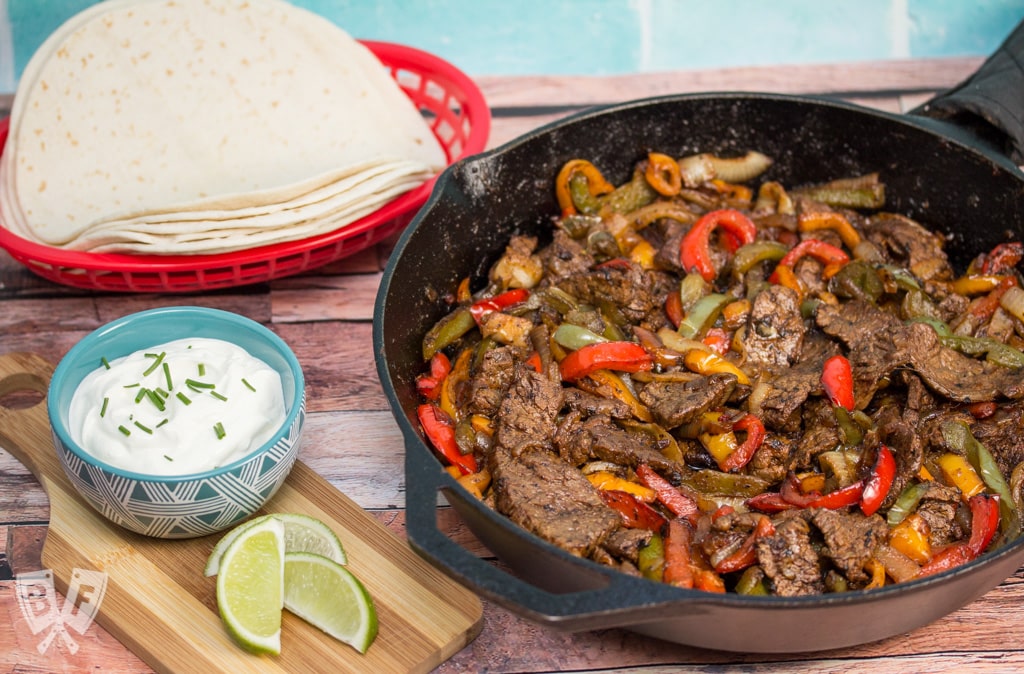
[(990, 103), (619, 600)]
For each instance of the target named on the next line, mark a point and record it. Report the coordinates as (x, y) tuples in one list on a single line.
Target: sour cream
[(182, 407)]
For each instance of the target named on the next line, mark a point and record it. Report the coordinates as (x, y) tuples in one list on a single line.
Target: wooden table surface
[(352, 440)]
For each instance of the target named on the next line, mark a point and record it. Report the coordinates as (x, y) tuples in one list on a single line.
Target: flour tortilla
[(173, 110)]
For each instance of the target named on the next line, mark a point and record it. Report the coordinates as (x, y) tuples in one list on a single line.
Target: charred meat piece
[(789, 560), (632, 290), (775, 328), (492, 379), (850, 539), (907, 244), (675, 403), (626, 543), (564, 257), (526, 416), (938, 508), (1003, 435), (599, 438), (591, 404), (550, 498)]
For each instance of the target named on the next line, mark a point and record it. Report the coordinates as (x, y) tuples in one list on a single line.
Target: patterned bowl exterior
[(178, 506)]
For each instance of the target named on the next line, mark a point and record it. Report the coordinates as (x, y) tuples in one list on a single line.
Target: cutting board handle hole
[(22, 391)]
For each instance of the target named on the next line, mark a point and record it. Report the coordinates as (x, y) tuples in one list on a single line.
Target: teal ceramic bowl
[(178, 506)]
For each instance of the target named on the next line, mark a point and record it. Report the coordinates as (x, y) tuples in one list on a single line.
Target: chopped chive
[(183, 398), (124, 430), (168, 458), (105, 362), (103, 410), (197, 385), (162, 422), (248, 385), (167, 376), (132, 385), (141, 394), (202, 370), (218, 396), (156, 363), (144, 428), (161, 392), (218, 428), (155, 398)]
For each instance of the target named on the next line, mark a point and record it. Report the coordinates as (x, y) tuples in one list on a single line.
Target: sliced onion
[(1013, 302)]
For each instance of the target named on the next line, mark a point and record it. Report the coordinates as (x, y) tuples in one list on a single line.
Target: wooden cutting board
[(159, 604)]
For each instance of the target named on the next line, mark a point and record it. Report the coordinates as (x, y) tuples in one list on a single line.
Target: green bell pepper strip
[(750, 254), (959, 437), (906, 502), (447, 331), (702, 315), (651, 559), (576, 336)]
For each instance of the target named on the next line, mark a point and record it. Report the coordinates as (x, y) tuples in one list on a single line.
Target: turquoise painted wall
[(603, 37)]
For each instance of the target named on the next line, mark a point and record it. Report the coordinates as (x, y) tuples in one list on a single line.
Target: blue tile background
[(605, 37)]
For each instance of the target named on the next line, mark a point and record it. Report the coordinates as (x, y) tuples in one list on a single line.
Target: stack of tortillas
[(204, 126)]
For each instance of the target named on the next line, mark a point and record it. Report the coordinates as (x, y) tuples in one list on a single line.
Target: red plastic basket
[(459, 117)]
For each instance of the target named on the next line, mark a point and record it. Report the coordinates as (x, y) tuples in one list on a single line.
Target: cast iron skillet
[(952, 173)]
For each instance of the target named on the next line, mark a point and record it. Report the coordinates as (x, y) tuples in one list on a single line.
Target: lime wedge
[(302, 533), (250, 587), (327, 596)]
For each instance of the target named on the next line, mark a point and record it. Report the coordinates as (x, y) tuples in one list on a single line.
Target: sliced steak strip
[(631, 289), (599, 438), (676, 403), (1003, 435), (789, 560), (526, 416), (491, 380), (850, 539), (907, 244), (545, 495), (775, 328), (564, 257)]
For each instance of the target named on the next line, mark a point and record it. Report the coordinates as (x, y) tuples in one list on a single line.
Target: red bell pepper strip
[(678, 503), (747, 554), (791, 492), (877, 484), (635, 513), (440, 430), (534, 362), (694, 253), (498, 302), (769, 502), (429, 385), (825, 253), (621, 356), (1003, 258), (678, 538), (837, 380), (674, 307), (984, 522), (739, 457)]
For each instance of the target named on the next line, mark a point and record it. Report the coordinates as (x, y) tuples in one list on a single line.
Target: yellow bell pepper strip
[(694, 253), (752, 582), (813, 222), (975, 284), (500, 302), (1003, 258), (720, 445), (959, 472), (458, 374), (621, 356), (772, 198), (635, 513), (604, 479), (447, 331), (429, 384), (678, 503), (440, 431), (877, 571), (741, 195), (746, 555), (984, 522), (878, 483), (482, 424), (837, 380), (678, 539), (706, 362), (754, 429), (735, 314), (476, 483), (662, 172), (911, 537), (596, 183), (833, 258)]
